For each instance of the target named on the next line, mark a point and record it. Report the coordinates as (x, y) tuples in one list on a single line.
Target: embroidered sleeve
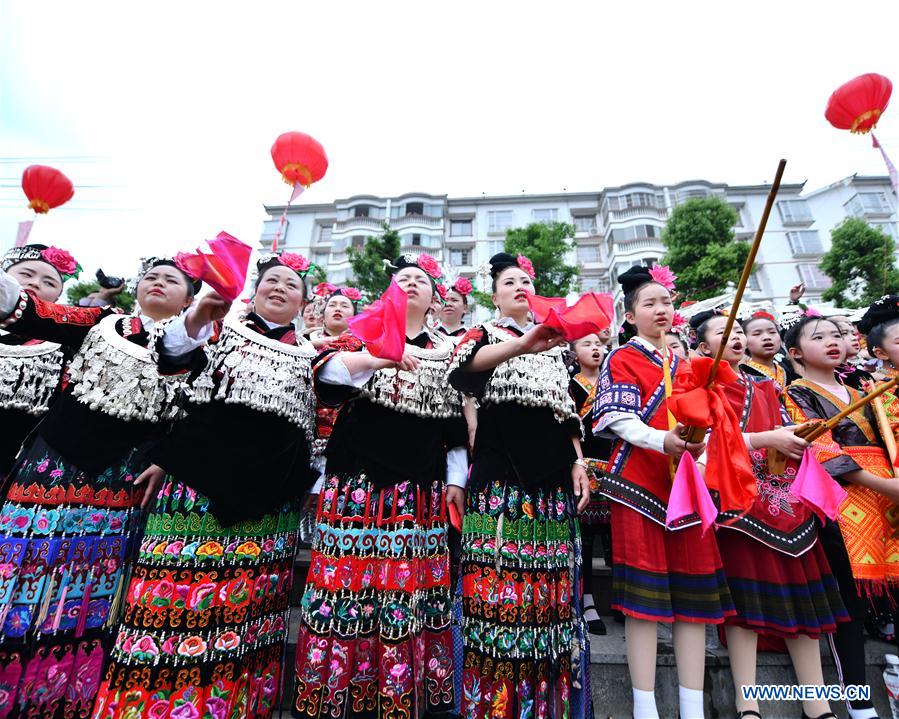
[(801, 407), (617, 392), (63, 324)]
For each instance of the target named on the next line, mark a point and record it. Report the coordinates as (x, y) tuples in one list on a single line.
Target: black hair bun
[(883, 310), (635, 277), (500, 261), (697, 320)]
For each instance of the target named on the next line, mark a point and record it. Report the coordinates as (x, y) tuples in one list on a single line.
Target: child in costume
[(861, 550), (776, 569), (659, 574), (590, 352)]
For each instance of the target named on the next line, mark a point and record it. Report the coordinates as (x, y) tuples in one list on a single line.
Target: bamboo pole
[(811, 431), (697, 434)]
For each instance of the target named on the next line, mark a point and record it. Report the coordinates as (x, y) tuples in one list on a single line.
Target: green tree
[(861, 263), (368, 262), (124, 300), (545, 244), (701, 250)]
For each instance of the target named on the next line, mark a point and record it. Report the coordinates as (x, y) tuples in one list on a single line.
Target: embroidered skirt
[(779, 595), (65, 538), (524, 635), (375, 638), (664, 575), (206, 614)]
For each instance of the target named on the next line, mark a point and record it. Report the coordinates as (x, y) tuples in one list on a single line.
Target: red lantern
[(858, 105), (300, 159), (46, 188)]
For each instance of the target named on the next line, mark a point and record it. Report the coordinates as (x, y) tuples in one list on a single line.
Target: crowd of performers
[(157, 467)]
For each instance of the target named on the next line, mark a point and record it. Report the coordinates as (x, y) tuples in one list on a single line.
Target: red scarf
[(728, 469)]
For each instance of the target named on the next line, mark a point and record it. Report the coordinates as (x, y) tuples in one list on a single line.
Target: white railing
[(631, 212), (368, 223), (639, 244), (419, 220)]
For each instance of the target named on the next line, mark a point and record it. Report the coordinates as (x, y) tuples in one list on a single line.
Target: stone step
[(611, 685)]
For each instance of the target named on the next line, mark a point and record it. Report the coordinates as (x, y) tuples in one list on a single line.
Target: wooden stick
[(812, 431), (697, 434), (666, 376), (747, 269)]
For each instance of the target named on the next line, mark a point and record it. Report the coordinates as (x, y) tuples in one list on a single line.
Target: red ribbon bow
[(694, 404)]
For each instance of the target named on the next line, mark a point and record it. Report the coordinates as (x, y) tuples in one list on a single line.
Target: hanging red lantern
[(858, 105), (300, 158), (46, 188)]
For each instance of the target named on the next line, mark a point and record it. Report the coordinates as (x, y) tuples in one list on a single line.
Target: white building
[(616, 227)]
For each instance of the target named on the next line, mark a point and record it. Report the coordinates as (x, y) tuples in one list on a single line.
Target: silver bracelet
[(580, 462)]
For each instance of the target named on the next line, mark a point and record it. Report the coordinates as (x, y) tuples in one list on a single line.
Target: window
[(805, 242), (460, 228), (499, 220), (794, 212), (416, 240), (493, 247), (460, 258), (361, 211), (812, 276), (588, 253), (869, 202), (739, 210), (324, 233), (415, 208), (592, 283), (754, 284), (434, 210), (549, 215), (636, 199), (585, 223), (649, 261), (358, 242), (637, 232)]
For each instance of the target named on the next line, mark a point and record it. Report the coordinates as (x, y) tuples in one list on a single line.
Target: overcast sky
[(163, 115)]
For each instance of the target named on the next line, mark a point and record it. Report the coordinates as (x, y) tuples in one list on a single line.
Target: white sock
[(645, 705), (690, 703), (869, 713)]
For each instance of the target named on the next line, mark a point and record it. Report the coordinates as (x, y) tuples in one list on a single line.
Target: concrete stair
[(611, 682)]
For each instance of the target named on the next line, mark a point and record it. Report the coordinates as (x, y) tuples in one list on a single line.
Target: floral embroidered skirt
[(206, 615), (65, 538), (375, 638), (525, 638)]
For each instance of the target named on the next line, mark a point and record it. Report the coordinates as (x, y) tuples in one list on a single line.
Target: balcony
[(647, 243), (655, 213), (426, 221), (359, 223), (869, 205)]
